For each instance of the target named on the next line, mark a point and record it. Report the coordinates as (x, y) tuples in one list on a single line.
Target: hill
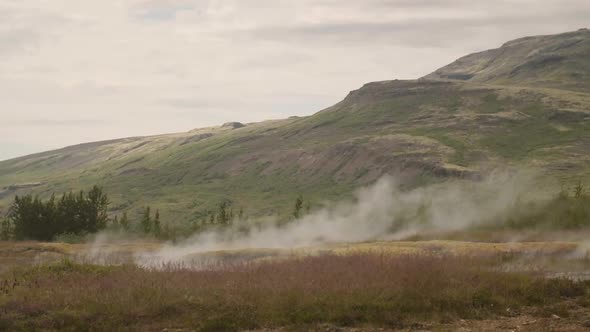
[(556, 61), (495, 108)]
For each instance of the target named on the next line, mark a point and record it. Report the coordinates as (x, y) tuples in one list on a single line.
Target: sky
[(74, 71)]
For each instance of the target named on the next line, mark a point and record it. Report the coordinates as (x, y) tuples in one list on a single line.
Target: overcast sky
[(73, 71)]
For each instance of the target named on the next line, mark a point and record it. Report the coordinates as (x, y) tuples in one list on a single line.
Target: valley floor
[(377, 286)]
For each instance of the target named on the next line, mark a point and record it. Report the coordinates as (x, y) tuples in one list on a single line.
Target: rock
[(233, 125)]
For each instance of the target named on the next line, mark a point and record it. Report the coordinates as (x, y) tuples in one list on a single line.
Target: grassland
[(390, 285), (363, 290)]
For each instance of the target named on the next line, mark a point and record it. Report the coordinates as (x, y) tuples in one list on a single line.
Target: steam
[(382, 211)]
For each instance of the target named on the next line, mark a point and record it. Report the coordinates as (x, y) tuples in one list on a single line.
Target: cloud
[(160, 10), (408, 34), (11, 149), (60, 123), (17, 40), (22, 28), (430, 24), (151, 66)]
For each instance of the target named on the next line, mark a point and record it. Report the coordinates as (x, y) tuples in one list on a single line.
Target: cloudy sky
[(73, 71)]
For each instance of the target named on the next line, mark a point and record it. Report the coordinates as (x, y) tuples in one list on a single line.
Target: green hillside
[(556, 61), (511, 110)]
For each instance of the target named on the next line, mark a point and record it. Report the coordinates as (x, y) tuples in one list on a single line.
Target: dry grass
[(14, 254), (354, 290)]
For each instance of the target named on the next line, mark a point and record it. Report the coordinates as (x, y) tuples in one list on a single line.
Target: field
[(422, 285)]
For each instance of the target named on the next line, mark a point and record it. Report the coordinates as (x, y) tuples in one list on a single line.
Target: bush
[(564, 211), (71, 238)]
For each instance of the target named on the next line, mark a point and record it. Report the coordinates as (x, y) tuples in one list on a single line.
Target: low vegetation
[(355, 290), (569, 210), (75, 217)]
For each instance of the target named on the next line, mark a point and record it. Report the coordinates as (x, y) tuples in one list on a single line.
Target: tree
[(146, 221), (579, 190), (298, 207), (5, 230), (124, 222), (115, 223), (68, 213), (26, 216), (222, 214), (79, 214), (157, 227), (96, 208)]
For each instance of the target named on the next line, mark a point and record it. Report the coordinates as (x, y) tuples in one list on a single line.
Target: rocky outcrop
[(233, 125)]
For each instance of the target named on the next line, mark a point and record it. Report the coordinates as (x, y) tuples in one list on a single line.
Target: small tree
[(146, 221), (96, 208), (5, 230), (222, 214), (115, 223), (157, 227), (298, 207), (579, 190), (124, 222)]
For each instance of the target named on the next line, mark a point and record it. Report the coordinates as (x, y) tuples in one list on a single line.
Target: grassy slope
[(423, 130), (555, 61)]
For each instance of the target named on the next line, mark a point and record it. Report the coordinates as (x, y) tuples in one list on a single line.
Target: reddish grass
[(355, 290)]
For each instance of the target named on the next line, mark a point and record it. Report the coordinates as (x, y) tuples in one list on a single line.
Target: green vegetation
[(29, 218), (146, 221), (555, 61), (75, 217), (569, 210), (298, 207)]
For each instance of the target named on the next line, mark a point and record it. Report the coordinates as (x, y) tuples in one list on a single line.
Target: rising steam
[(382, 211)]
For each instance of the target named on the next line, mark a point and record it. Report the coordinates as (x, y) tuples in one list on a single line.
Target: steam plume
[(377, 212)]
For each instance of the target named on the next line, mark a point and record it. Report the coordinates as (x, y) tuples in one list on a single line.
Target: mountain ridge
[(553, 61)]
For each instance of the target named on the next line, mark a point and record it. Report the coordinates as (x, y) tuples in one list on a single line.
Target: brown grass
[(353, 290)]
